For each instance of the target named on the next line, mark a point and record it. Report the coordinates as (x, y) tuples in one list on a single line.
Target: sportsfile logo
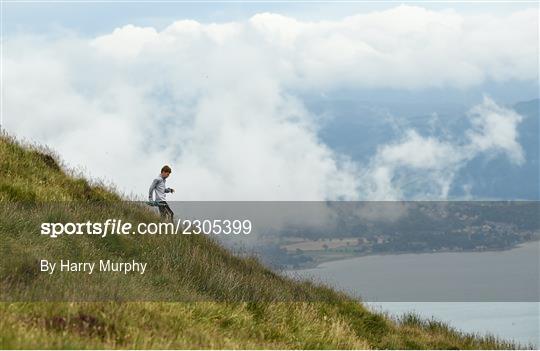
[(110, 226), (120, 227)]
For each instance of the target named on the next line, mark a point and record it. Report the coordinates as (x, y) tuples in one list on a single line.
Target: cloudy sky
[(218, 91)]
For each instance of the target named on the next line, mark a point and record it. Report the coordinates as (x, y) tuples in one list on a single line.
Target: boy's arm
[(151, 190), (169, 190)]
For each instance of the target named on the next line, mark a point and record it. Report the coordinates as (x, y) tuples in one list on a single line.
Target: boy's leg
[(169, 212), (162, 211), (165, 211)]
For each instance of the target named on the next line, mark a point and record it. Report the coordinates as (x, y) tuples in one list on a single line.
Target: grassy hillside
[(226, 301)]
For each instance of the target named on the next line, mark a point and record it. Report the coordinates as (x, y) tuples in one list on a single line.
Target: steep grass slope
[(225, 301)]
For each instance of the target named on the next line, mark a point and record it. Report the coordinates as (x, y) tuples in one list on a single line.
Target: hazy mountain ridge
[(358, 128)]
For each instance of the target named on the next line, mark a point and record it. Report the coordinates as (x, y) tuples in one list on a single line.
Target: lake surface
[(495, 292)]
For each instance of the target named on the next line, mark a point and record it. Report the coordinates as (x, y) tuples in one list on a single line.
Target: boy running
[(159, 188)]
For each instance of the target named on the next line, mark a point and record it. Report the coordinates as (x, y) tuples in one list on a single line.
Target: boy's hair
[(166, 169)]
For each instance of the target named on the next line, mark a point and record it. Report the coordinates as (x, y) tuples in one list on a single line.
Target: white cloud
[(125, 42), (495, 128), (218, 101), (426, 166)]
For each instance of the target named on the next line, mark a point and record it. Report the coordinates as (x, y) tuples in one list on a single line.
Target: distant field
[(317, 245)]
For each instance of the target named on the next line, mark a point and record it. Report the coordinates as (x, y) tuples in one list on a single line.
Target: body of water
[(493, 292)]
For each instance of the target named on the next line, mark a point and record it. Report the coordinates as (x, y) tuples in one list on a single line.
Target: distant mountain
[(356, 128)]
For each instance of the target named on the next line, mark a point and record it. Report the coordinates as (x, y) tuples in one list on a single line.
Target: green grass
[(222, 301)]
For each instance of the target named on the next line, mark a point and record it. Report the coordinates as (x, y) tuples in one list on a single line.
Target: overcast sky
[(215, 90)]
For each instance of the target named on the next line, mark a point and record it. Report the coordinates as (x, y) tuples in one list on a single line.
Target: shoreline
[(318, 263)]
